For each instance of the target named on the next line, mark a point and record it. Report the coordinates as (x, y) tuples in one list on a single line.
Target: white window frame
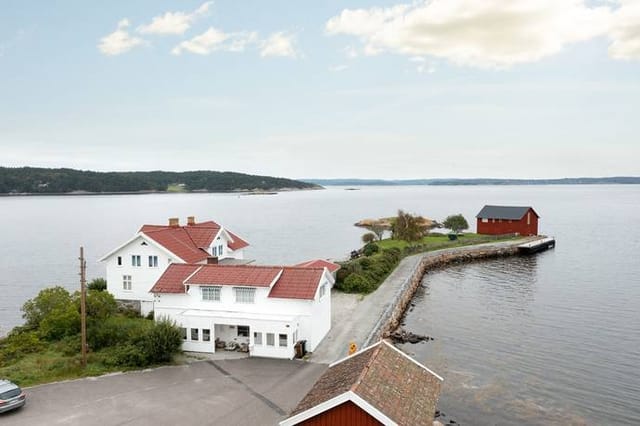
[(206, 337), (211, 293), (257, 338), (281, 340), (127, 283), (485, 220), (136, 260), (244, 295), (323, 290), (119, 261), (153, 261), (271, 337), (220, 250), (197, 334)]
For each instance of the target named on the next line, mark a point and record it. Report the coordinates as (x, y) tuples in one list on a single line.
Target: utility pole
[(83, 306)]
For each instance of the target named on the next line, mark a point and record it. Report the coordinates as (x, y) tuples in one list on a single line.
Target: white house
[(266, 308), (135, 266)]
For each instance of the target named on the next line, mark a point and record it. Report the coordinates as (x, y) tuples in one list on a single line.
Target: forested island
[(478, 181), (33, 180)]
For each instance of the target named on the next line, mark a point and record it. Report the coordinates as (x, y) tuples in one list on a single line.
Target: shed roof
[(390, 381), (504, 212)]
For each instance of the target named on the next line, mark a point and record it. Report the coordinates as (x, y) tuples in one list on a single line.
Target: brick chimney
[(191, 220), (212, 260), (174, 222)]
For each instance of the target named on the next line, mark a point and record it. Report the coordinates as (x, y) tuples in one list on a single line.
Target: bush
[(150, 315), (116, 331), (162, 341), (60, 322), (98, 284), (368, 238), (358, 283), (100, 305), (125, 356), (370, 249), (19, 343), (47, 301)]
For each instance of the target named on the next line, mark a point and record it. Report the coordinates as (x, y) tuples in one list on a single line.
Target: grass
[(439, 241)]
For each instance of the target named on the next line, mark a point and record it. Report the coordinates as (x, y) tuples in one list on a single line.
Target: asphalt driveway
[(249, 391)]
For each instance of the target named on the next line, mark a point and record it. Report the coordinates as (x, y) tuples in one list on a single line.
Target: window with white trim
[(119, 261), (135, 260), (126, 282), (323, 290), (271, 339), (194, 334), (184, 333), (214, 251), (206, 335), (243, 331), (282, 340), (211, 294), (153, 261), (257, 337), (485, 220), (245, 294), (220, 250)]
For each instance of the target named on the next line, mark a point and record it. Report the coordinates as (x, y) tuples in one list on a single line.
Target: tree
[(456, 223), (47, 301), (377, 229), (99, 284), (407, 227), (369, 237)]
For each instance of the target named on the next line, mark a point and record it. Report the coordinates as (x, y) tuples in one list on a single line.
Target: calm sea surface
[(548, 339)]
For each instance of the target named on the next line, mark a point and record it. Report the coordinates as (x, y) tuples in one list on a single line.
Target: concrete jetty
[(363, 320)]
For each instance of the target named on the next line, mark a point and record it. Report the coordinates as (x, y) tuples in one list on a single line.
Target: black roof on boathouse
[(504, 212)]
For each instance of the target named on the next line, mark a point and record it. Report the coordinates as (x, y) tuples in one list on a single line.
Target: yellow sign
[(353, 348)]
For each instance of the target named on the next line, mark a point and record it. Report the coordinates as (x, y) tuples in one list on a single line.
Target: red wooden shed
[(500, 220), (380, 385)]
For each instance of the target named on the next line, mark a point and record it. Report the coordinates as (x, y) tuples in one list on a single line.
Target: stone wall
[(392, 316), (133, 305)]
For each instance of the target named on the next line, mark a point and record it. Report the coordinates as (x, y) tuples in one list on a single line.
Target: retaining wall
[(392, 315)]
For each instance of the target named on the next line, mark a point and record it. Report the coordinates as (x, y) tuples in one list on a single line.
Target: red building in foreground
[(500, 220), (380, 385)]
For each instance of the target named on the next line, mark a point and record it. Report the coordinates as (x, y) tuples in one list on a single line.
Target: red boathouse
[(500, 220)]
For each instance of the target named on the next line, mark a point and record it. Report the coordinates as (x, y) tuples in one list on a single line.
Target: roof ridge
[(365, 369)]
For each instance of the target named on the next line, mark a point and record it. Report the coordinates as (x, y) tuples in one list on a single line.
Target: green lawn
[(438, 241)]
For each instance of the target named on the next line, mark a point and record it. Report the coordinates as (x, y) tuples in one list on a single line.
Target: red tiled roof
[(243, 275), (188, 242), (172, 281), (297, 283), (397, 386), (237, 242), (292, 283), (319, 263)]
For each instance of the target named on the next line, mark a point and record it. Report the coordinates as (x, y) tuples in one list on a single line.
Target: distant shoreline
[(88, 193), (614, 180)]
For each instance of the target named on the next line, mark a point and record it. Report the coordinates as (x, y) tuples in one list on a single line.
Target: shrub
[(19, 343), (125, 356), (370, 249), (60, 322), (358, 283), (70, 345), (100, 305), (48, 300), (116, 331), (150, 315), (97, 284), (368, 238), (162, 341)]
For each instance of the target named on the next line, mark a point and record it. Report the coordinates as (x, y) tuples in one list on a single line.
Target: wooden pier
[(536, 246)]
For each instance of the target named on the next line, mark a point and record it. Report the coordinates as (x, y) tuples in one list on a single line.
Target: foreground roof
[(286, 282), (504, 212), (319, 263), (189, 242), (382, 380)]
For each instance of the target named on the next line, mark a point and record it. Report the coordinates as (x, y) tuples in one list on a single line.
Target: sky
[(323, 89)]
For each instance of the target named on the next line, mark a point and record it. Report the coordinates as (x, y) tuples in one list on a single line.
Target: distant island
[(478, 181), (33, 180)]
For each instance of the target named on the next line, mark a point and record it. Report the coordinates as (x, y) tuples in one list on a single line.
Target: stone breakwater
[(392, 315)]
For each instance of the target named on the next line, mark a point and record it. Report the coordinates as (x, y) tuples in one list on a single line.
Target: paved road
[(353, 317), (250, 391)]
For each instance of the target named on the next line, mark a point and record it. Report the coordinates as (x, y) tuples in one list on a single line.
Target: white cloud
[(214, 40), (486, 34), (422, 65), (119, 41), (625, 31), (174, 22), (338, 68), (279, 44)]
